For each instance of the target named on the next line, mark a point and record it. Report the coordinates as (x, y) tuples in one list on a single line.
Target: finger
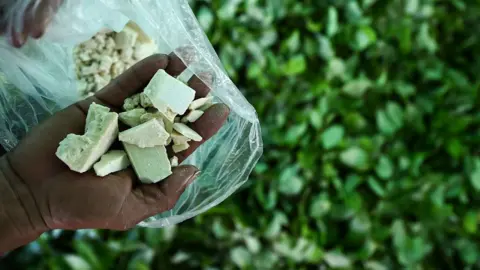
[(17, 39), (199, 84), (176, 65), (147, 200), (132, 81), (207, 126), (44, 13)]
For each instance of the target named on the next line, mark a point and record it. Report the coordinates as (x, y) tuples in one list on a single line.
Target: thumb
[(147, 200)]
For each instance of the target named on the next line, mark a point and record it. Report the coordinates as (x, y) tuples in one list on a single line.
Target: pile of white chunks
[(108, 54), (157, 117)]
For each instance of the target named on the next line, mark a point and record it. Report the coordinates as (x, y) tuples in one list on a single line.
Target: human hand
[(50, 196), (21, 19)]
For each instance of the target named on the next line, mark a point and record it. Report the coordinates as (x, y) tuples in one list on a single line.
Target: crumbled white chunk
[(148, 134), (180, 147), (80, 152), (192, 116), (131, 102), (178, 138), (132, 118), (126, 38), (160, 89), (151, 164), (187, 131), (126, 54), (106, 63), (200, 102), (145, 101), (117, 69), (144, 50), (113, 161), (87, 70), (174, 161)]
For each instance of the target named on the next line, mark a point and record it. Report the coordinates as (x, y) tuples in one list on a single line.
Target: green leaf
[(425, 40), (475, 175), (332, 25), (290, 183), (85, 251), (355, 157), (296, 65), (384, 168), (241, 257), (316, 119), (326, 50), (470, 222), (357, 88), (395, 113), (205, 18), (365, 37), (295, 133), (332, 136), (293, 42), (76, 262), (320, 206), (390, 120), (376, 187), (337, 260)]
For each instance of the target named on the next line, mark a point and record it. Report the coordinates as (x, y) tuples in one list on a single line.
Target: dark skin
[(31, 22), (40, 193)]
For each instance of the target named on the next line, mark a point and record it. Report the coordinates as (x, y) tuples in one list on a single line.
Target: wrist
[(20, 219)]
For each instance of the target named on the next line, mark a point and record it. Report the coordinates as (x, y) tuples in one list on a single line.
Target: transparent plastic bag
[(39, 79)]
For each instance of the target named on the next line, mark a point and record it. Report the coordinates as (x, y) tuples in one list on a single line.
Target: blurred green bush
[(371, 121)]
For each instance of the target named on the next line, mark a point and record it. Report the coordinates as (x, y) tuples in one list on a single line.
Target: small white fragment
[(174, 161), (100, 81), (110, 43), (126, 54), (82, 86), (84, 56), (180, 147), (187, 131), (90, 44), (200, 102), (178, 138), (118, 68), (142, 36), (151, 164), (145, 102), (112, 161), (166, 91), (131, 102), (192, 116), (126, 38), (132, 118), (148, 134), (205, 107), (87, 70), (144, 50), (106, 63)]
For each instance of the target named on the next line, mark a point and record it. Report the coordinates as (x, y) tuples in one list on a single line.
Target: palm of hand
[(68, 200)]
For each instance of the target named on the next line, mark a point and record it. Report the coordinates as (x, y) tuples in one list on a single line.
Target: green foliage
[(372, 135)]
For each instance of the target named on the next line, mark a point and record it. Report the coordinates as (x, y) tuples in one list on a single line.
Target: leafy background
[(370, 119)]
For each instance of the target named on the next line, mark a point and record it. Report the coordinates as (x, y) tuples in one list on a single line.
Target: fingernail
[(38, 33), (17, 39), (207, 77), (187, 54), (219, 110), (189, 180)]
